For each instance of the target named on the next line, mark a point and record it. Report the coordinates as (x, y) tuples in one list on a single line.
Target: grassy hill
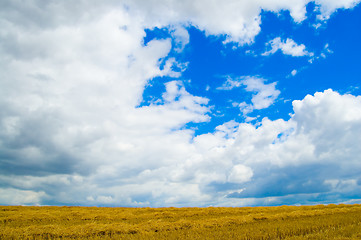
[(285, 222)]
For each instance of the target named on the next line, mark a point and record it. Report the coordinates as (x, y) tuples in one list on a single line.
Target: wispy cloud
[(326, 51), (231, 83), (264, 94)]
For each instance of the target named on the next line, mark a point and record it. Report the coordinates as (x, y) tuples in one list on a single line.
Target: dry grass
[(306, 222)]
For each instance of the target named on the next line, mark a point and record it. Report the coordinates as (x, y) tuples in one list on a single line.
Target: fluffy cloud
[(263, 96), (309, 154), (11, 196), (288, 47), (327, 7), (181, 36), (238, 21), (240, 174), (73, 131), (69, 97)]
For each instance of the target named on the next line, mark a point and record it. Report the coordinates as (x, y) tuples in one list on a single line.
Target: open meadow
[(285, 222)]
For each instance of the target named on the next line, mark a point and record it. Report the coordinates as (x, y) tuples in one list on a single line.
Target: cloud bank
[(73, 131)]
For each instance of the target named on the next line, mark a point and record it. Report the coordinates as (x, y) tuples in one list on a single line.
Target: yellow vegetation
[(285, 222)]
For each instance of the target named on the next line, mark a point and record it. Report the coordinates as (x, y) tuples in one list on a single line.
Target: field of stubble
[(305, 222)]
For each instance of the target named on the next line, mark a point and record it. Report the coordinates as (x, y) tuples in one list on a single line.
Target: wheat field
[(284, 222)]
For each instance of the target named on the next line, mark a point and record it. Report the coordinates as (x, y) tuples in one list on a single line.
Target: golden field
[(285, 222)]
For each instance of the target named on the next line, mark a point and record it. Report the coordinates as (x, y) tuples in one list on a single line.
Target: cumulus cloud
[(288, 47), (72, 130), (69, 101), (310, 153)]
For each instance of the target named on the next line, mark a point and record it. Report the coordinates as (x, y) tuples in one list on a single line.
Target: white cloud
[(319, 141), (298, 156), (288, 47), (181, 37), (81, 84), (11, 196), (230, 83), (265, 95), (294, 72), (240, 174), (238, 20), (327, 7), (245, 108)]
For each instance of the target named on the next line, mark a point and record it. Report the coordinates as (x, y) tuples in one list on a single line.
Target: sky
[(194, 103)]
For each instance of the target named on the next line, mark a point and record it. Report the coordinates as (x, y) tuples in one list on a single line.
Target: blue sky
[(180, 103)]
